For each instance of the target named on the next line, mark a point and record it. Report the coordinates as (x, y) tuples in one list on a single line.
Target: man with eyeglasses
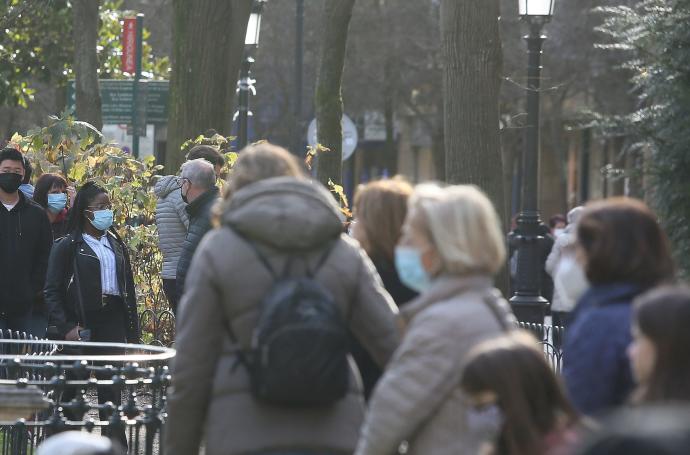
[(199, 190), (25, 241), (172, 219)]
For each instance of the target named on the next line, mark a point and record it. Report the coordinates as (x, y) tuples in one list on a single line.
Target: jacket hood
[(284, 213), (166, 185)]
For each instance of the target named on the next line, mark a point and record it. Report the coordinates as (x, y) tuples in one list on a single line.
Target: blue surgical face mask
[(102, 219), (485, 423), (57, 202), (408, 263)]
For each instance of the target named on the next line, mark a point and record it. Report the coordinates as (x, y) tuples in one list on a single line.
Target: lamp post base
[(529, 308)]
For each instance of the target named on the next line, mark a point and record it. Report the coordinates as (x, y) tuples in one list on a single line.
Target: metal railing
[(69, 377), (157, 327), (551, 339)]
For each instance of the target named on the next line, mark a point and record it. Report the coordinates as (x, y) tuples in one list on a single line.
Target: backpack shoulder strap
[(491, 300), (262, 258), (330, 246)]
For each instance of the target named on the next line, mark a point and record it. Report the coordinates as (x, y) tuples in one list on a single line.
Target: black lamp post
[(527, 303), (245, 85)]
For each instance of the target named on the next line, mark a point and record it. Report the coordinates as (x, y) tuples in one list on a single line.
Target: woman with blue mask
[(89, 288), (450, 248), (515, 403), (53, 194)]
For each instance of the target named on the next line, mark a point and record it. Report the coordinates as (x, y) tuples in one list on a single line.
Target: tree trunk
[(391, 149), (471, 47), (88, 98), (207, 52), (328, 98), (472, 79)]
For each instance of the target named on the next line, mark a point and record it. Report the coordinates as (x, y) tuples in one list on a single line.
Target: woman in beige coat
[(450, 248), (210, 393)]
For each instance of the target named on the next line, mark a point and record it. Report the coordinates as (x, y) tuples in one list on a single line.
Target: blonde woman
[(450, 248), (271, 219)]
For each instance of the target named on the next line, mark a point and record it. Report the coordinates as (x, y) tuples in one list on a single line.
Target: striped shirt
[(106, 255)]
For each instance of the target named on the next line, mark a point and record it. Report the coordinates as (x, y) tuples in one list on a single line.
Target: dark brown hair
[(207, 152), (381, 207), (623, 243), (44, 184), (529, 393), (663, 316)]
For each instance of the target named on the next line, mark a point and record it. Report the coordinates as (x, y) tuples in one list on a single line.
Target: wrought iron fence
[(551, 339), (157, 327), (68, 377)]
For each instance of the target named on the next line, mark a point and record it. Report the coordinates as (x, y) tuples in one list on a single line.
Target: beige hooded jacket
[(211, 399), (418, 399)]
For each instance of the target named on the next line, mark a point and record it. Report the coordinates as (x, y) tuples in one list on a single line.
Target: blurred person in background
[(56, 197), (568, 277), (647, 430), (557, 224), (624, 252), (79, 443), (451, 247), (517, 405), (26, 187), (379, 211), (660, 351)]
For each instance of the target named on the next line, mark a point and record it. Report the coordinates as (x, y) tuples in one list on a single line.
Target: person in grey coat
[(172, 221)]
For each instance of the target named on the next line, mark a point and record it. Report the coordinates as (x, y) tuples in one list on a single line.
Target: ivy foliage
[(37, 46), (656, 38)]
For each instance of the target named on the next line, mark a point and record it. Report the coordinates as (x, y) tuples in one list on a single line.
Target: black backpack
[(299, 350)]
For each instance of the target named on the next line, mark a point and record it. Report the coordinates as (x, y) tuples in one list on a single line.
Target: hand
[(72, 193), (73, 335)]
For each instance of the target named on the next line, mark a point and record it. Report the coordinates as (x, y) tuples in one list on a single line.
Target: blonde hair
[(380, 207), (464, 227), (261, 161), (256, 162)]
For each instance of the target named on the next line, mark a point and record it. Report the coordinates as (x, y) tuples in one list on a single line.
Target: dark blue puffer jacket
[(596, 369)]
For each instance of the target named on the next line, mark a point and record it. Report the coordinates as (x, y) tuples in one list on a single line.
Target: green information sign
[(117, 100), (157, 101)]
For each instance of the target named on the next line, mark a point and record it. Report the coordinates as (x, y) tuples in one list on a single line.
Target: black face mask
[(10, 182)]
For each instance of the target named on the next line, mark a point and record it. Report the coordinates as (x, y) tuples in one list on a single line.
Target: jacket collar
[(609, 294), (443, 288), (21, 203), (196, 205)]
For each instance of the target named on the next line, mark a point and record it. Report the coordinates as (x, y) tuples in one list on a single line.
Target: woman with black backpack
[(89, 289), (263, 328)]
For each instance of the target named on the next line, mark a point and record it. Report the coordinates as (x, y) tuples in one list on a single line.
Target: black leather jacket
[(73, 261)]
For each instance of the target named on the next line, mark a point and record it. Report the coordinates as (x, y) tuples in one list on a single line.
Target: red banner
[(129, 45)]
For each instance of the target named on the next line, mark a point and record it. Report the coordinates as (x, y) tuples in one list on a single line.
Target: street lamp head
[(536, 8), (254, 24)]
